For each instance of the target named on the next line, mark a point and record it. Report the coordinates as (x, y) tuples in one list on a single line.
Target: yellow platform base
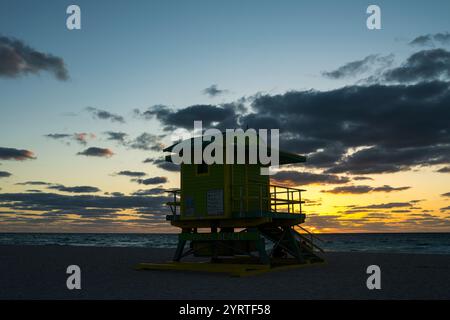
[(233, 269)]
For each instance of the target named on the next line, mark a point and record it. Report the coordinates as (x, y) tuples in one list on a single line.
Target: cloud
[(58, 136), (18, 59), (149, 192), (105, 115), (295, 178), (389, 205), (163, 164), (131, 173), (82, 138), (445, 209), (424, 40), (96, 152), (424, 65), (4, 174), (444, 170), (153, 180), (361, 178), (349, 190), (431, 39), (358, 129), (15, 154), (147, 141), (59, 187), (387, 160), (401, 125), (214, 91), (53, 202), (116, 136), (358, 67), (210, 115), (76, 189), (363, 189), (387, 188), (115, 194), (445, 194), (34, 183)]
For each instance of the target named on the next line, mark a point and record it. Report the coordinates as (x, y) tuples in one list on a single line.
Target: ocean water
[(423, 243)]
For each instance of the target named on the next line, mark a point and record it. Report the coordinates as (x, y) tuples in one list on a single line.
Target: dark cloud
[(17, 59), (82, 138), (446, 194), (223, 116), (153, 180), (445, 209), (358, 178), (363, 189), (214, 91), (15, 154), (105, 115), (4, 174), (387, 188), (349, 190), (403, 124), (358, 129), (389, 205), (327, 157), (131, 173), (60, 187), (358, 67), (431, 39), (391, 127), (149, 192), (34, 183), (387, 160), (116, 136), (58, 136), (163, 164), (76, 189), (444, 170), (115, 194), (424, 40), (296, 178), (424, 65), (96, 152), (147, 141), (52, 202)]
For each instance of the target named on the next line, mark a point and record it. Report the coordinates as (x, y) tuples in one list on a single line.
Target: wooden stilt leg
[(179, 251)]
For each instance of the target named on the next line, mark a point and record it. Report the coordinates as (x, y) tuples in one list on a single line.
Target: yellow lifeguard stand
[(227, 212)]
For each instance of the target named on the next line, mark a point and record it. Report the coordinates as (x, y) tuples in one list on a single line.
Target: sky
[(84, 114)]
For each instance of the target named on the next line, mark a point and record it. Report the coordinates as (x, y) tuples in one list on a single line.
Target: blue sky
[(134, 54)]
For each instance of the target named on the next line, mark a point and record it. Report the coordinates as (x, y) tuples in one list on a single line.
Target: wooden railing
[(309, 237), (176, 193), (272, 198), (285, 197)]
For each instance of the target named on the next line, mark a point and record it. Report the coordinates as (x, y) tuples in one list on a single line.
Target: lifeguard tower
[(235, 217)]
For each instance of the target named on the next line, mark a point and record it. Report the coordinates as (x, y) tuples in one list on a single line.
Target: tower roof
[(284, 156)]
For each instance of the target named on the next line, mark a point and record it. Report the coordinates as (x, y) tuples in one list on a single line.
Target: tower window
[(202, 168)]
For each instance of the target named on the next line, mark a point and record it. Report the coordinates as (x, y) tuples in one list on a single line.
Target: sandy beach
[(39, 272)]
